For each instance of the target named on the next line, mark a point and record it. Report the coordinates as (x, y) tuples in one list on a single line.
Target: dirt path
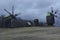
[(30, 33)]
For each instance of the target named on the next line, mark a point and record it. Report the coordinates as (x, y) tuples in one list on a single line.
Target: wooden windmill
[(12, 16), (51, 17)]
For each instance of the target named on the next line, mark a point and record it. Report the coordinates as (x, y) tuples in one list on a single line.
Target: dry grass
[(30, 33)]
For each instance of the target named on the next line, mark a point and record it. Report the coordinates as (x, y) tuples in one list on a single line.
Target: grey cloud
[(31, 8)]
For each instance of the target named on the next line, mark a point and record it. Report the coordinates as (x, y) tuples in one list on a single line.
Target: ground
[(30, 33)]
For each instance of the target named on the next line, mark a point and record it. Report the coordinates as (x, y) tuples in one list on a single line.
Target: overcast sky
[(31, 9)]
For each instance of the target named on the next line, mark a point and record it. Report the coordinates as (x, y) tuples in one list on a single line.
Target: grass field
[(30, 33)]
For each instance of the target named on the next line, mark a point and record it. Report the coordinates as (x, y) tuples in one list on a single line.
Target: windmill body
[(50, 18)]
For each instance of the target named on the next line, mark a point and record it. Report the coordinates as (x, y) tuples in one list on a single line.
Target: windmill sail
[(7, 11), (12, 9)]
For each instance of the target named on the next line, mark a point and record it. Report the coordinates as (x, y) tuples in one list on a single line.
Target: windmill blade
[(56, 16), (52, 9), (13, 10), (7, 11), (56, 12), (17, 14)]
